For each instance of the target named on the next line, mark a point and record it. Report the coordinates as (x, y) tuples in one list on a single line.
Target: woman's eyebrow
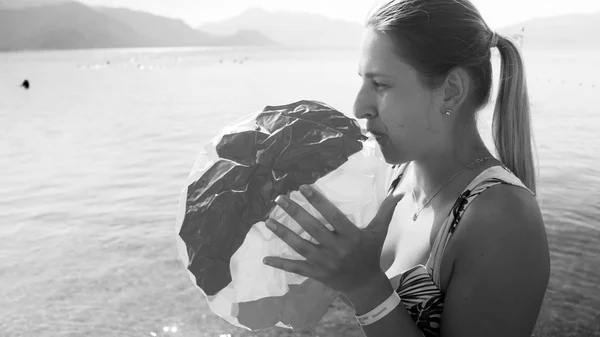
[(371, 74)]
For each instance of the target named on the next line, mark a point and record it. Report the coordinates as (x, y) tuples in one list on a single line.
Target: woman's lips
[(377, 135)]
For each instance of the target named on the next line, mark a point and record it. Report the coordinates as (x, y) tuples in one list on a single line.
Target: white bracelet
[(380, 311)]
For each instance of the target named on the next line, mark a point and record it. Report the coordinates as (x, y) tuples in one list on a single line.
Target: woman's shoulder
[(499, 216), (503, 216), (500, 259), (492, 176)]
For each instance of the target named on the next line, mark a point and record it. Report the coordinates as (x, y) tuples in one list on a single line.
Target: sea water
[(94, 155)]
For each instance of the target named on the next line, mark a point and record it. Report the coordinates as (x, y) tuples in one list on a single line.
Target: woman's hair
[(439, 35)]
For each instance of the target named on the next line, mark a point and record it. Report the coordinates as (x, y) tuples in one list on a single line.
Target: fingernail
[(270, 225), (280, 200), (267, 261), (306, 190)]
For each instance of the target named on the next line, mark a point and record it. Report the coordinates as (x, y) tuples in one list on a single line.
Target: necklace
[(419, 209)]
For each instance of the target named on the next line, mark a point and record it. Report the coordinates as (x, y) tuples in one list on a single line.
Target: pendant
[(415, 216)]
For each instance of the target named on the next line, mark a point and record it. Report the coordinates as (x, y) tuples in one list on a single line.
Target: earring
[(448, 112)]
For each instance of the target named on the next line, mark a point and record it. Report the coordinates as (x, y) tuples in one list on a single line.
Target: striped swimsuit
[(420, 286)]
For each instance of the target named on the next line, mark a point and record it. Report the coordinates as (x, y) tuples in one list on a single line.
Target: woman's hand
[(345, 259)]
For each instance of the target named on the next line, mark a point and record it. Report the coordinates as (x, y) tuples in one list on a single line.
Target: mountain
[(161, 31), (66, 25), (16, 4), (292, 29), (63, 24), (72, 25), (304, 30), (572, 31), (245, 38)]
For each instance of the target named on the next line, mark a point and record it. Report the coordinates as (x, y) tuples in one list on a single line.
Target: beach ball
[(220, 226)]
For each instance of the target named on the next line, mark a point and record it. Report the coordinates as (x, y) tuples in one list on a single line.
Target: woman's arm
[(501, 268)]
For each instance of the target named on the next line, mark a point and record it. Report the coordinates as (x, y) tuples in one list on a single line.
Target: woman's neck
[(431, 172)]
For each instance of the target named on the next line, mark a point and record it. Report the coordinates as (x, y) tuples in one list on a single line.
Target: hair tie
[(494, 41)]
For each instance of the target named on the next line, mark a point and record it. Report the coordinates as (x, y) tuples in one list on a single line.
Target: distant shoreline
[(177, 49), (111, 50)]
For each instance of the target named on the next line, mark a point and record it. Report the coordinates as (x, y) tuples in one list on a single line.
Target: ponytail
[(511, 122)]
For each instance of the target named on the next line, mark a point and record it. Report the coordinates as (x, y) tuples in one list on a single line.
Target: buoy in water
[(25, 85)]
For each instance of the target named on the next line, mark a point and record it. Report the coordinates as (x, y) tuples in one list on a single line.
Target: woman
[(459, 241)]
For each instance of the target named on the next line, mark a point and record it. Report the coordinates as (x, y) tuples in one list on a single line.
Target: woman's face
[(401, 112)]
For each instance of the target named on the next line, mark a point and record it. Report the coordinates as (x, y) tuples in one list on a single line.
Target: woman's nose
[(363, 107)]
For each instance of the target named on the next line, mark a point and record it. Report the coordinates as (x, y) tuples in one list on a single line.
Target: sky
[(497, 13)]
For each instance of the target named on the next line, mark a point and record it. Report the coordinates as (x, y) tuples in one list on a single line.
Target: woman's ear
[(455, 89)]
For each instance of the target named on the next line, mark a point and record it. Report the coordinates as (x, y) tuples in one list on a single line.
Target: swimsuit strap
[(492, 176)]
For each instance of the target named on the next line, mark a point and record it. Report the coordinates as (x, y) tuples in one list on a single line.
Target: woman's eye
[(378, 84)]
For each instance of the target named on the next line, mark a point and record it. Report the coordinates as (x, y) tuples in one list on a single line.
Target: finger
[(334, 216), (301, 246), (302, 268), (386, 210), (312, 225), (328, 210)]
